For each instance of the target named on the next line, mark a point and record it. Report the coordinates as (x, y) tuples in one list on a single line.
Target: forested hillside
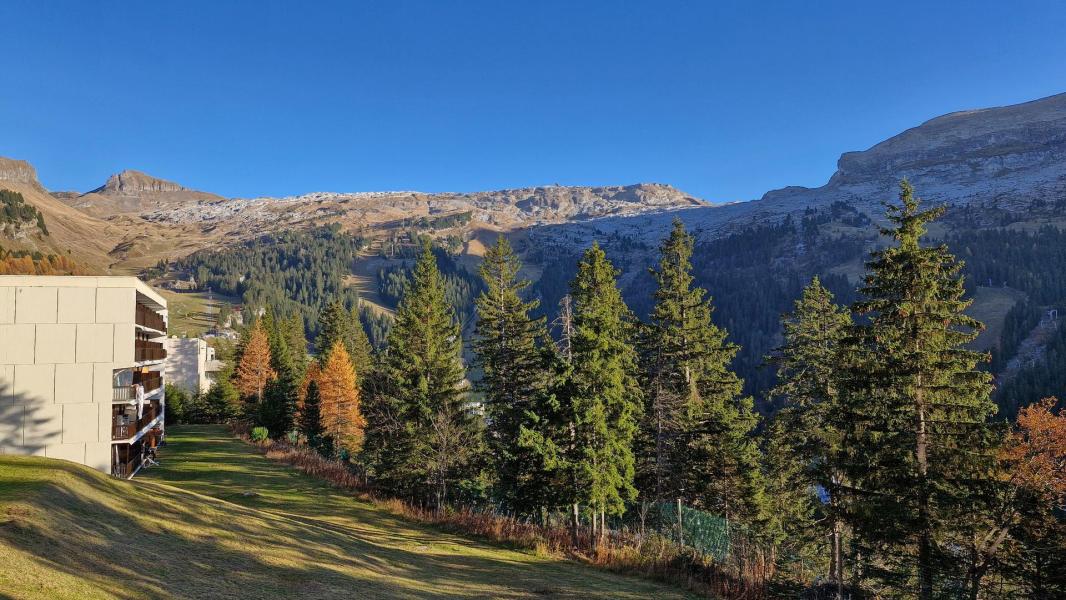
[(878, 469)]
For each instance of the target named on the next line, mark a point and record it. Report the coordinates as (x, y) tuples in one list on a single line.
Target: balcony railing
[(147, 317), (144, 350), (129, 392), (125, 424)]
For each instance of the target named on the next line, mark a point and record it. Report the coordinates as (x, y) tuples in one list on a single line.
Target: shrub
[(260, 434)]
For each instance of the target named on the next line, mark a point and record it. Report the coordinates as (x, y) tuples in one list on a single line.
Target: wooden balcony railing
[(147, 317), (126, 424), (129, 392), (144, 350)]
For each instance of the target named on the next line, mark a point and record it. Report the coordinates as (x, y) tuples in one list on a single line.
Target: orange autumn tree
[(1032, 464), (342, 417), (254, 371), (1035, 454)]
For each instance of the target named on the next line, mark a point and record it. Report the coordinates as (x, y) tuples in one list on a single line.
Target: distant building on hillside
[(81, 369), (191, 364)]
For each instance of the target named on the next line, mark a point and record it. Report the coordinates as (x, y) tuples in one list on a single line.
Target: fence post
[(680, 526)]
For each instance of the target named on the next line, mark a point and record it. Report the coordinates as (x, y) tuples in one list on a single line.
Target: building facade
[(191, 364), (81, 369)]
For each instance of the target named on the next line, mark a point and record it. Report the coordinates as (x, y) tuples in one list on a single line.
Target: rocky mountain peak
[(18, 171), (132, 183)]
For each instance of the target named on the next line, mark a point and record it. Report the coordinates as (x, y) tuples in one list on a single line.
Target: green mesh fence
[(707, 533)]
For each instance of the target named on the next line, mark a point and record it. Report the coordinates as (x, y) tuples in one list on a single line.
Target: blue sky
[(725, 100)]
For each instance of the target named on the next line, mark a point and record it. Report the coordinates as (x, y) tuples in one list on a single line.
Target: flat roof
[(93, 281)]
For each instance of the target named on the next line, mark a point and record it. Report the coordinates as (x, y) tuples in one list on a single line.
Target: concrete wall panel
[(81, 423), (55, 343), (11, 429), (42, 426), (35, 384), (102, 383), (103, 423), (7, 384), (95, 343), (74, 383), (115, 305), (71, 452), (36, 304), (77, 305), (17, 344), (123, 348), (7, 305), (98, 456)]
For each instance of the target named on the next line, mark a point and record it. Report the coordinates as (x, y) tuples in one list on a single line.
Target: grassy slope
[(217, 520), (192, 313)]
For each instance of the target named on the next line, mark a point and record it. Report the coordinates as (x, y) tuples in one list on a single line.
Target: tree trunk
[(575, 523), (837, 568)]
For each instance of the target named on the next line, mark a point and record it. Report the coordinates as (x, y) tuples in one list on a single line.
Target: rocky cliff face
[(1005, 157), (18, 171), (1008, 156), (132, 183)]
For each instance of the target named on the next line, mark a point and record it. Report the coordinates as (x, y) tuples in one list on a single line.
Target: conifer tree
[(918, 446), (340, 412), (254, 371), (310, 422), (601, 397), (296, 342), (419, 401), (277, 410), (696, 442), (808, 368), (515, 362), (338, 323)]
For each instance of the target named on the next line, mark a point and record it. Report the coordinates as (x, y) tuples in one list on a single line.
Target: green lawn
[(217, 520), (192, 313)]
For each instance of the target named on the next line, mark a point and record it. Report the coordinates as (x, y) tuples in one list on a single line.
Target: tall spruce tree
[(310, 422), (808, 371), (918, 447), (601, 397), (277, 410), (338, 323), (696, 433), (419, 402), (512, 350)]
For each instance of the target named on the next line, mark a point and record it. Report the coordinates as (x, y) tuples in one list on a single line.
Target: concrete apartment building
[(191, 364), (81, 361)]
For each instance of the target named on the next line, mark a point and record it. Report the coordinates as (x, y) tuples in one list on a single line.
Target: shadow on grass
[(290, 536)]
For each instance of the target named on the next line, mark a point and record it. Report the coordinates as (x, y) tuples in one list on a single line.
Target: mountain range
[(1004, 157)]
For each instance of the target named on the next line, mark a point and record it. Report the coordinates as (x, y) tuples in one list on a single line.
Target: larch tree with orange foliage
[(341, 413), (1032, 472), (254, 371)]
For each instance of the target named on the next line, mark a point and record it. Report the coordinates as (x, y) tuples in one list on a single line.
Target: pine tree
[(340, 412), (310, 422), (423, 435), (338, 323), (278, 409), (696, 442), (918, 445), (515, 360), (296, 341), (254, 371), (808, 370), (601, 397)]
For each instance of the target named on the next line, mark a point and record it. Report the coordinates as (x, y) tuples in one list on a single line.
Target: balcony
[(125, 424), (151, 382), (147, 317), (144, 351)]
